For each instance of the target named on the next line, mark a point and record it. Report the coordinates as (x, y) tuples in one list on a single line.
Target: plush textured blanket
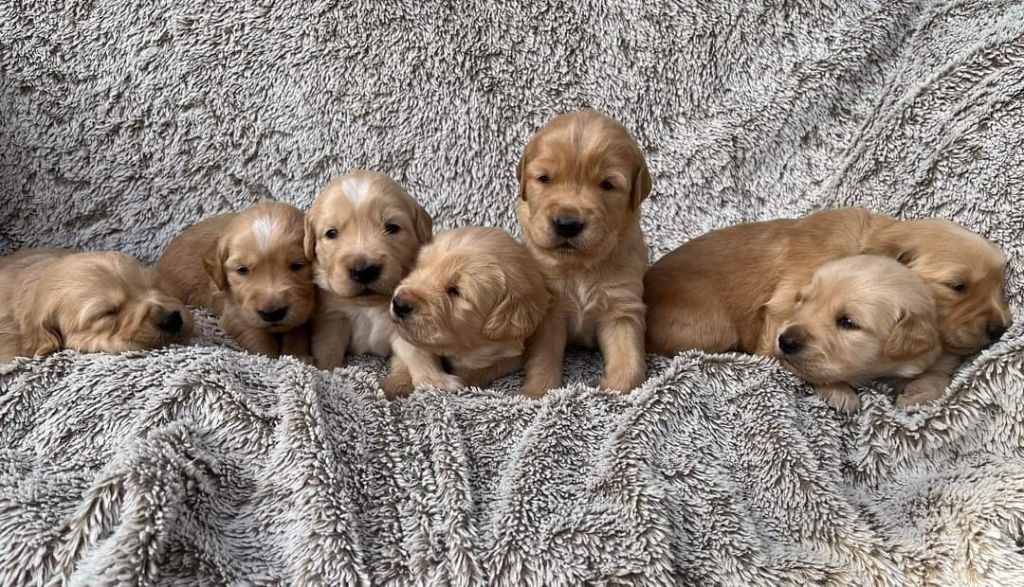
[(120, 123)]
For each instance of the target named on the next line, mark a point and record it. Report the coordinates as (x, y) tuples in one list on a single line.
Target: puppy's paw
[(921, 390), (396, 385), (619, 383), (534, 389), (840, 397), (443, 382)]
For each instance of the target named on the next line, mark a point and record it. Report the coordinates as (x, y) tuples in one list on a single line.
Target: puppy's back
[(180, 270), (710, 293)]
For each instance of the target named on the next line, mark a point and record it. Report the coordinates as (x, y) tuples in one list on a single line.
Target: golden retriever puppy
[(249, 268), (582, 178), (858, 318), (362, 233), (714, 292), (474, 301), (967, 274), (88, 301)]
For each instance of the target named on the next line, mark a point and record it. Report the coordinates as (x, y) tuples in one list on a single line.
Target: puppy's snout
[(273, 314), (401, 307), (995, 331), (791, 341), (170, 321), (364, 273), (567, 226)]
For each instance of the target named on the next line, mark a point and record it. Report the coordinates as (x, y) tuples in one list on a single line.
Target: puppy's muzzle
[(567, 226), (272, 315), (170, 321), (791, 341), (400, 307), (364, 273)]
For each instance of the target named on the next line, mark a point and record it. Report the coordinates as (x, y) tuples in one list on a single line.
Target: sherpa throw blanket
[(123, 122)]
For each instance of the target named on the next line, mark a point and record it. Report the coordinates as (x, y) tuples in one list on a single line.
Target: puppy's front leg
[(254, 340), (296, 343), (929, 385), (424, 368), (622, 345), (840, 396), (331, 332), (545, 354)]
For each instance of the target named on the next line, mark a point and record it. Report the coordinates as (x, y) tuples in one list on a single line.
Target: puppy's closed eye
[(453, 291), (957, 286), (392, 228)]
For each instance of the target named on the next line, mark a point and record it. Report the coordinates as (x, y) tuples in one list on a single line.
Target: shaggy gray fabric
[(122, 122)]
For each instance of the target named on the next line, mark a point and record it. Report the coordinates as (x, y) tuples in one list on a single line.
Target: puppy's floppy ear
[(520, 170), (214, 261), (517, 315), (912, 335), (892, 242), (40, 332), (641, 185), (422, 223)]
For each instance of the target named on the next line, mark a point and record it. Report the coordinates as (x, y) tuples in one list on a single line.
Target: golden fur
[(251, 269), (716, 292), (585, 168), (363, 233), (858, 318), (475, 299), (87, 301)]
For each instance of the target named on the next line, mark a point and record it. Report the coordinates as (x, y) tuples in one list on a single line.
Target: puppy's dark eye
[(242, 270), (543, 178), (331, 234), (296, 266), (607, 185), (957, 286), (392, 228), (453, 291), (843, 321)]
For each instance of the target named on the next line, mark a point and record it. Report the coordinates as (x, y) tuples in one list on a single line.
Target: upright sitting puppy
[(582, 179), (95, 302), (858, 318), (363, 234), (474, 300), (250, 269), (967, 275)]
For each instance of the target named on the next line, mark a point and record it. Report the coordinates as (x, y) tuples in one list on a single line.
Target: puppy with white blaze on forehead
[(250, 269), (363, 234), (475, 301)]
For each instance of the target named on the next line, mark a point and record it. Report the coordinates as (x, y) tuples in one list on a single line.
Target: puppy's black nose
[(789, 344), (364, 273), (170, 322), (995, 331), (567, 226), (400, 307), (274, 314)]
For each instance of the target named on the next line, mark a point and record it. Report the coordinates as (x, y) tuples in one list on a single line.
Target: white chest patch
[(371, 330), (263, 229), (356, 189)]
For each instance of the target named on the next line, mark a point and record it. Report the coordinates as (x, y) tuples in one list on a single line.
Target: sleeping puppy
[(966, 273), (858, 318), (87, 301), (363, 234), (250, 269), (582, 179), (473, 301)]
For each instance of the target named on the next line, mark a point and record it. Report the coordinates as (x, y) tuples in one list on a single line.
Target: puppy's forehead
[(593, 144), (363, 194)]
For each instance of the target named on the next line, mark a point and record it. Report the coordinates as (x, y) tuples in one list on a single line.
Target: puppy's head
[(101, 301), (860, 318), (260, 264), (363, 233), (582, 178), (470, 287), (966, 273)]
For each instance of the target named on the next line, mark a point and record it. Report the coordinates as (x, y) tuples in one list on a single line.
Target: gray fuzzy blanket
[(121, 122)]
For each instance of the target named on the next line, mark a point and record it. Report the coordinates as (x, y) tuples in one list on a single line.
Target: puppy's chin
[(812, 369), (585, 248), (378, 292), (963, 342), (424, 334)]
